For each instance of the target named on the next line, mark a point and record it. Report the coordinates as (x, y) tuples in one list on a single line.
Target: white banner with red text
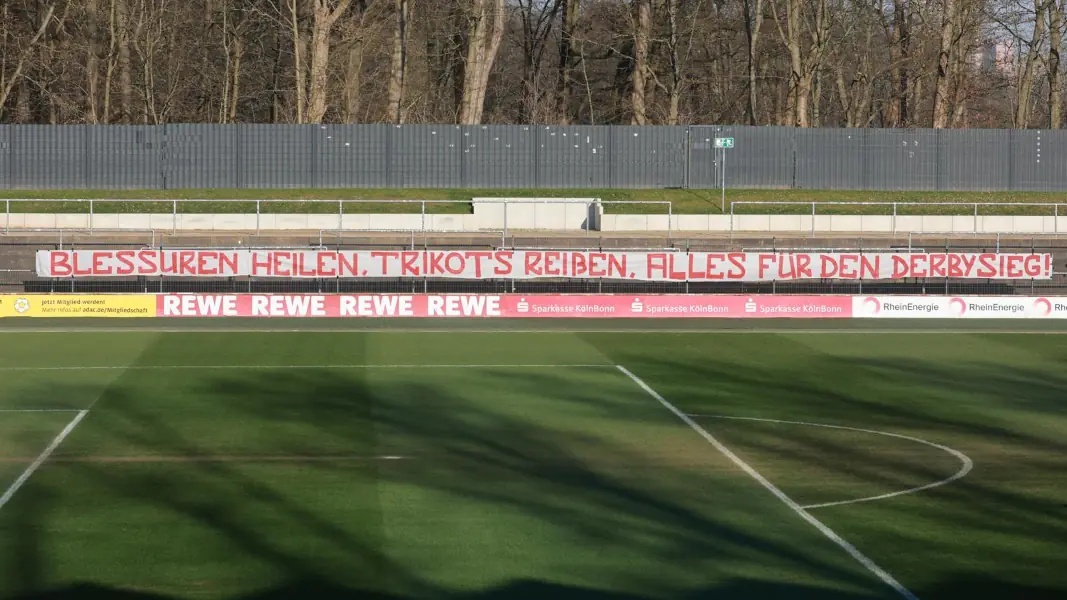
[(508, 264), (531, 306)]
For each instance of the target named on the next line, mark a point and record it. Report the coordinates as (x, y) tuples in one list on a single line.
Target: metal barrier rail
[(92, 204), (814, 204)]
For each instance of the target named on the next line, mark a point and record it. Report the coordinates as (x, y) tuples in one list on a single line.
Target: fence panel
[(352, 156), (202, 157), (47, 157), (576, 156), (976, 160), (501, 156), (426, 156), (648, 157), (1037, 160), (526, 156), (901, 159), (275, 156), (830, 159)]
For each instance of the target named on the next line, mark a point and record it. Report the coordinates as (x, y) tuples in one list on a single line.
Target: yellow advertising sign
[(77, 305)]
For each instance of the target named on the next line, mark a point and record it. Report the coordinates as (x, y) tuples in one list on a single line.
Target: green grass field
[(403, 464), (691, 201)]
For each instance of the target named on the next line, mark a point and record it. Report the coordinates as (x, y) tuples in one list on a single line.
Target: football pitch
[(786, 463)]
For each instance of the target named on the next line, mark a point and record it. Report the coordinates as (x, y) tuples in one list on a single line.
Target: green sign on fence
[(724, 142)]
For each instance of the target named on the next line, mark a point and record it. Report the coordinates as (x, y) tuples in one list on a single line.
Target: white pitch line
[(336, 366), (963, 458), (798, 509), (10, 493)]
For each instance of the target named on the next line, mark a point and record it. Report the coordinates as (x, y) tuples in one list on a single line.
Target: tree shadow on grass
[(474, 451)]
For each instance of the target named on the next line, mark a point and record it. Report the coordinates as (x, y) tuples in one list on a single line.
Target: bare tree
[(639, 76), (398, 65), (1055, 91), (485, 30), (8, 80), (946, 52), (570, 9)]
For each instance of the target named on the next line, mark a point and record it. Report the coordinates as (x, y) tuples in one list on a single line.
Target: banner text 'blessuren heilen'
[(506, 264)]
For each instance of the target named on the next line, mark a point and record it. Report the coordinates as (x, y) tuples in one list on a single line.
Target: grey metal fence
[(527, 156)]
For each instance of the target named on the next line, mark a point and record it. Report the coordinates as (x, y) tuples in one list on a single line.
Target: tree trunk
[(1055, 97), (299, 77), (486, 30), (677, 81), (92, 62), (125, 65), (1025, 89), (571, 10), (398, 64), (323, 20), (945, 50), (753, 24), (640, 74)]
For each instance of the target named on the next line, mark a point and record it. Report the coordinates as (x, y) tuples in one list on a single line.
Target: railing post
[(1055, 218), (340, 215), (505, 202), (257, 217), (975, 218), (670, 220), (894, 218), (7, 216), (90, 215), (813, 219), (174, 218), (423, 216)]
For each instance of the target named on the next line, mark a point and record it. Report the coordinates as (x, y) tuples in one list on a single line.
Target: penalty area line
[(36, 464), (852, 551)]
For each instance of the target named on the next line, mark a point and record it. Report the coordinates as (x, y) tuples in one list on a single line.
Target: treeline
[(808, 63)]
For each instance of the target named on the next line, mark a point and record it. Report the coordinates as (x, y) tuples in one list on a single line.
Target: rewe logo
[(636, 306), (958, 306), (872, 305), (1042, 307)]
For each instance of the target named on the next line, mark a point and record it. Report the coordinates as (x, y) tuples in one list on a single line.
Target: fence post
[(894, 218), (90, 215), (174, 218), (7, 216), (257, 217), (975, 218), (1055, 218), (505, 203), (732, 204), (340, 215), (813, 219)]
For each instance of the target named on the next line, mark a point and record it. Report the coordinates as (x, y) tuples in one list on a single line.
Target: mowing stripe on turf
[(763, 331), (799, 510), (41, 410), (216, 367), (10, 493), (963, 458)]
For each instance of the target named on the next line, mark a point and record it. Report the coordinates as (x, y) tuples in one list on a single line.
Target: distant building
[(995, 57)]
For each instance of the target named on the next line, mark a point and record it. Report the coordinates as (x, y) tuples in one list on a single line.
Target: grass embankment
[(300, 201)]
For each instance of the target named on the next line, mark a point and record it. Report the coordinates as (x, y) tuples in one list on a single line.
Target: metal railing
[(893, 209), (92, 205)]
